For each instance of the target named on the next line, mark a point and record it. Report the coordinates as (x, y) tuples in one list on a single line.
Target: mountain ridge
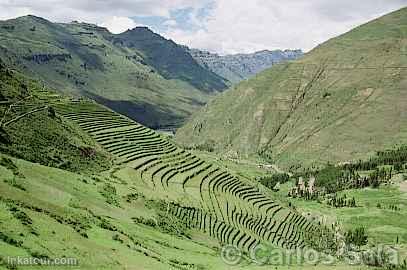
[(238, 67)]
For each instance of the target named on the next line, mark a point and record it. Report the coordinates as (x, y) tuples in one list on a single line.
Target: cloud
[(223, 26), (92, 10), (236, 26), (170, 23), (118, 25)]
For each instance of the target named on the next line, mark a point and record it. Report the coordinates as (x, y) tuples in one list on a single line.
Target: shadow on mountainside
[(144, 113)]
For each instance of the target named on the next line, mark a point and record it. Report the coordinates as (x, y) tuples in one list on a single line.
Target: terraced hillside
[(205, 196), (342, 101)]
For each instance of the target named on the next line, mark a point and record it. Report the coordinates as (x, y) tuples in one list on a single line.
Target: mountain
[(171, 60), (138, 73), (238, 67), (342, 101)]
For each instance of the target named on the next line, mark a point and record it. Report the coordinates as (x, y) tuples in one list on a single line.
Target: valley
[(127, 151)]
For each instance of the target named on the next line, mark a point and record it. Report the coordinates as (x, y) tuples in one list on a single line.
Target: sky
[(221, 26)]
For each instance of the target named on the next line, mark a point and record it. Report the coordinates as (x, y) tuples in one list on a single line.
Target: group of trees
[(272, 180), (396, 157), (305, 194), (390, 207), (337, 178), (333, 178), (357, 237), (343, 201)]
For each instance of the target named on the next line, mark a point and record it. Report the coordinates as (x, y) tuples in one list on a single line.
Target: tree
[(357, 237), (51, 112)]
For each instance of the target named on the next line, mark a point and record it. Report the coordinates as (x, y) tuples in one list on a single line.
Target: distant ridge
[(238, 67)]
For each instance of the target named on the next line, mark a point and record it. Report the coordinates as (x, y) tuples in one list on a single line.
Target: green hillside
[(342, 101), (137, 73), (30, 129)]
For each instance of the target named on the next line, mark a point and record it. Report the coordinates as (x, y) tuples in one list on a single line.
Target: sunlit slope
[(208, 198), (341, 101)]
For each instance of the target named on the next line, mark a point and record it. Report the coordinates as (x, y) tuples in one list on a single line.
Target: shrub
[(109, 192), (356, 237), (12, 182), (145, 221), (170, 224), (117, 238), (9, 164), (4, 138), (105, 224), (133, 197), (271, 181), (9, 240), (20, 215)]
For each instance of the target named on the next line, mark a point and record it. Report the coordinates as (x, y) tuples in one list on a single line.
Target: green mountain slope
[(341, 101), (171, 60), (138, 73)]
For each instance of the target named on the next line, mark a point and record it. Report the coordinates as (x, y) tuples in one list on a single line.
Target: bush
[(4, 138), (271, 181), (9, 164), (356, 237), (12, 182), (105, 224), (117, 238), (9, 240), (109, 192), (145, 221), (172, 225)]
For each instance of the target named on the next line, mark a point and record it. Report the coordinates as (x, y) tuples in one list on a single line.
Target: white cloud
[(246, 26), (118, 25), (95, 11), (230, 26), (171, 23)]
